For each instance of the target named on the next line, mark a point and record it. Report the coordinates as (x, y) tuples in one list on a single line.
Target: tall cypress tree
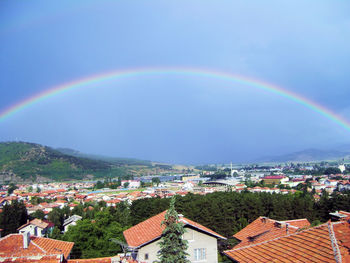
[(172, 246)]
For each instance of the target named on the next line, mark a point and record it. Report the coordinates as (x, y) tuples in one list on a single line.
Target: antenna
[(122, 244)]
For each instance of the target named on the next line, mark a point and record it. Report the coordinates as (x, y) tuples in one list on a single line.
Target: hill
[(113, 160), (309, 155), (23, 161)]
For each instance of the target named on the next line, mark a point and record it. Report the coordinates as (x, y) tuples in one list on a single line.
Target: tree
[(99, 185), (126, 185), (92, 238), (12, 187), (12, 217), (155, 180), (172, 246), (56, 216), (332, 170), (39, 214)]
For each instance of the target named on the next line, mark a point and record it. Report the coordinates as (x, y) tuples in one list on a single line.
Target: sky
[(300, 46)]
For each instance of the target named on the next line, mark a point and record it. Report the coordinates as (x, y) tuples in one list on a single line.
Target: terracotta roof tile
[(264, 228), (310, 245), (53, 245), (101, 260), (11, 246), (152, 229), (39, 259)]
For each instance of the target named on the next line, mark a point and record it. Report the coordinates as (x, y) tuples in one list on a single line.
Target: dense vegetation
[(29, 160), (12, 217)]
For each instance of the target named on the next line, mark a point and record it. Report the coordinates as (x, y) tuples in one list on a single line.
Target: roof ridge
[(196, 227), (55, 239), (292, 234), (295, 220), (31, 255), (334, 242)]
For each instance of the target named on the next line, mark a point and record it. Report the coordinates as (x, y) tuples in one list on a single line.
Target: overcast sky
[(302, 46)]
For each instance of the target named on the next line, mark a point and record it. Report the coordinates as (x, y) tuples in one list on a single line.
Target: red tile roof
[(36, 222), (11, 246), (152, 229), (345, 213), (39, 259), (53, 245), (264, 228), (101, 260), (310, 245), (274, 177), (300, 223)]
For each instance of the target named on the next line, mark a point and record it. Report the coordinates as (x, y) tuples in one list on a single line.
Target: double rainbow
[(122, 74)]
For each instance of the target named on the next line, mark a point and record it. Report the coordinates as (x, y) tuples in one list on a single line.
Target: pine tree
[(172, 246)]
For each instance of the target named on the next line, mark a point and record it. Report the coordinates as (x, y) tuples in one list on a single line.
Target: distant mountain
[(22, 161), (113, 160), (309, 155)]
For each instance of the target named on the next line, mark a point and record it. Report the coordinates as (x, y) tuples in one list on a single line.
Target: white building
[(143, 239), (36, 227), (132, 183), (342, 168), (71, 221)]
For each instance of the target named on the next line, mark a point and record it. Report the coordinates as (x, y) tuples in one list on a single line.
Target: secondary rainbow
[(115, 75)]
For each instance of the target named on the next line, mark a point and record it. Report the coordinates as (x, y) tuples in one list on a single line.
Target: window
[(199, 254), (146, 256)]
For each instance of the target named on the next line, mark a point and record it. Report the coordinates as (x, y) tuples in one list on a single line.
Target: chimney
[(280, 224), (26, 239)]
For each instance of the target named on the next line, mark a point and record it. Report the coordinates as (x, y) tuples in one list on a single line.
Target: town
[(44, 202)]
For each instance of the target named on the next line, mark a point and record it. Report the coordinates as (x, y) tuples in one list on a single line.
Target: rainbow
[(115, 75)]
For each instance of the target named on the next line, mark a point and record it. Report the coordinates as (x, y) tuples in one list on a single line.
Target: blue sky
[(302, 46)]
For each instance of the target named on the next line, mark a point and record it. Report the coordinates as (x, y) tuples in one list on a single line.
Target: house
[(25, 248), (131, 183), (275, 179), (328, 242), (143, 240), (344, 186), (37, 227), (264, 228), (330, 182), (340, 216), (71, 221)]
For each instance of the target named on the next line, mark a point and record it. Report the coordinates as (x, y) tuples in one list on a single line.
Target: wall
[(197, 240)]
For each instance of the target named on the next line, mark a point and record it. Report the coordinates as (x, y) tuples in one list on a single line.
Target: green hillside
[(30, 161)]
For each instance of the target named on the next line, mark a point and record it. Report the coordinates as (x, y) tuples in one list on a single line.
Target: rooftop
[(264, 228), (152, 229), (329, 242), (11, 246), (37, 222)]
